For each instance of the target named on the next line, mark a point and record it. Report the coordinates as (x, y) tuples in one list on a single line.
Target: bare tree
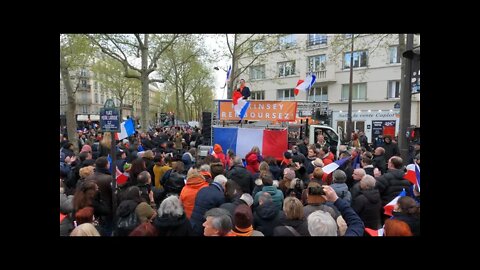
[(147, 47), (75, 52)]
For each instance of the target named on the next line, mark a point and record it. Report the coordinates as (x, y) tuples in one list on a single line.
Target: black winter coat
[(391, 184), (266, 218), (242, 177), (367, 205)]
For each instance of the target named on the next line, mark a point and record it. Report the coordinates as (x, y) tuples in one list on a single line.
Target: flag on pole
[(334, 165), (306, 84), (126, 129), (356, 162), (121, 178), (413, 175), (240, 105), (228, 73), (373, 232), (391, 205)]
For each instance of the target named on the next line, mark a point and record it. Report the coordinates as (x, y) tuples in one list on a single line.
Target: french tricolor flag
[(121, 178), (126, 129), (334, 165), (413, 174), (391, 205), (373, 232), (240, 105), (306, 84), (241, 140)]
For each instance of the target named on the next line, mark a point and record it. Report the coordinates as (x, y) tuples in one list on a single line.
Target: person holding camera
[(315, 201), (322, 224)]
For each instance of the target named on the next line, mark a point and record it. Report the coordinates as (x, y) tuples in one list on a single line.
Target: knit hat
[(86, 148), (66, 204), (247, 198), (144, 212), (287, 155), (317, 162), (242, 217), (217, 148), (288, 173)]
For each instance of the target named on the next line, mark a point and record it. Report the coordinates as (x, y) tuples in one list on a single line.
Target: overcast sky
[(220, 75)]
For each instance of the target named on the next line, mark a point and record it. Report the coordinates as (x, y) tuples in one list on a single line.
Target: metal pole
[(113, 173), (405, 103), (349, 119)]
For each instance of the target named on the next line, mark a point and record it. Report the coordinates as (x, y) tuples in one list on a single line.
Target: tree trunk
[(177, 103), (184, 107), (145, 83), (234, 70), (71, 104)]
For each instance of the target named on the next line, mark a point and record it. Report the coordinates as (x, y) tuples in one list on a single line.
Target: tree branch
[(228, 45), (159, 52), (140, 43), (156, 80)]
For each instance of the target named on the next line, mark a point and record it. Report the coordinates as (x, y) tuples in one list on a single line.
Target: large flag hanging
[(241, 140), (391, 205), (305, 85), (413, 175), (334, 165), (239, 104), (126, 129)]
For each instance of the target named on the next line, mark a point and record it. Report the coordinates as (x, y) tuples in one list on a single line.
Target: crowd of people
[(163, 188)]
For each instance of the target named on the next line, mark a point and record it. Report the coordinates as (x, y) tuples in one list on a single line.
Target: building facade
[(91, 95), (376, 78)]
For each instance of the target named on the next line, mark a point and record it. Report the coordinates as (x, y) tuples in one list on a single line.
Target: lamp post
[(349, 118)]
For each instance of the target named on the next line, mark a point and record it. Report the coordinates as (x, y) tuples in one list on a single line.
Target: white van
[(331, 136)]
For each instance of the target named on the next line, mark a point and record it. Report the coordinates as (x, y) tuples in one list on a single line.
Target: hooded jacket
[(266, 217)]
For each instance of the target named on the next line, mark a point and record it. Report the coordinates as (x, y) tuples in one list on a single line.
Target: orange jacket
[(189, 193)]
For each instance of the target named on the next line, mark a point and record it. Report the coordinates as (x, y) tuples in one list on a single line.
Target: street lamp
[(349, 119)]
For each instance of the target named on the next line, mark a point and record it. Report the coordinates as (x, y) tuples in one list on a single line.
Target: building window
[(258, 47), (102, 99), (347, 36), (318, 94), (258, 95), (359, 59), (359, 91), (285, 94), (96, 85), (316, 39), (257, 72), (394, 54), (84, 109), (286, 68), (84, 83), (393, 90), (96, 97), (287, 41), (317, 63)]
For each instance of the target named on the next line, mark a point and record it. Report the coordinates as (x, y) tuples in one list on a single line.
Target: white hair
[(367, 182), (321, 223), (221, 179), (205, 168), (171, 206)]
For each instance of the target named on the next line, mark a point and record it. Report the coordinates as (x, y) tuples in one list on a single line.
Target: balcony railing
[(88, 87), (324, 75), (320, 74)]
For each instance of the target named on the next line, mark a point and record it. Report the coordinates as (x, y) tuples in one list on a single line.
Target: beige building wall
[(377, 74)]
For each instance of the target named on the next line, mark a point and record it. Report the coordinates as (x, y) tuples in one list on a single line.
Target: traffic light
[(414, 56)]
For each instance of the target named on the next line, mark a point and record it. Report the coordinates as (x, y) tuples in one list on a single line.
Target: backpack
[(127, 223)]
